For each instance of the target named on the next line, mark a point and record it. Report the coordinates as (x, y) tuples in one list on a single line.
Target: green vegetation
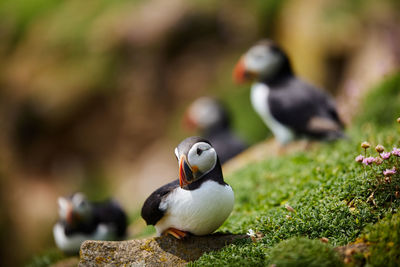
[(46, 258), (304, 252), (381, 106), (384, 240), (328, 191)]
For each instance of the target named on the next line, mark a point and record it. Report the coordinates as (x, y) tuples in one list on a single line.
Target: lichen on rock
[(165, 250)]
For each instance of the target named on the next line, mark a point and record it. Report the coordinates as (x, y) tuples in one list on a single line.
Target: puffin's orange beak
[(182, 175), (187, 173), (239, 73)]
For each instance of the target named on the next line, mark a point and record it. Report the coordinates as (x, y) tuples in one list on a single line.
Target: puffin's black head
[(74, 209), (207, 115), (263, 61), (196, 158)]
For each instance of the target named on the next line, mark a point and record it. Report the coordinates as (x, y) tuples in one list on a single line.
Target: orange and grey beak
[(187, 173), (240, 74)]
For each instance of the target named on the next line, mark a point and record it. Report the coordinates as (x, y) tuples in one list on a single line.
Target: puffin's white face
[(204, 112), (202, 156), (262, 60)]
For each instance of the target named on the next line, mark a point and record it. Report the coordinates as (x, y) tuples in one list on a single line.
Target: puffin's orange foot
[(178, 234)]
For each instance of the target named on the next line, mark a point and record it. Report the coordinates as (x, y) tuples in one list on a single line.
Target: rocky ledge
[(159, 251)]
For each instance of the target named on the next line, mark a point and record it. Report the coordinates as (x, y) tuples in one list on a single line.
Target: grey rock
[(158, 251)]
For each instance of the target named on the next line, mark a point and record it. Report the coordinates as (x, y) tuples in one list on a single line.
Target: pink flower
[(368, 161), (359, 158), (385, 155), (389, 172), (396, 151)]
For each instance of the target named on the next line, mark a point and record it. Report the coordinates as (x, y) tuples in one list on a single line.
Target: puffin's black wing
[(111, 212), (305, 109), (151, 212)]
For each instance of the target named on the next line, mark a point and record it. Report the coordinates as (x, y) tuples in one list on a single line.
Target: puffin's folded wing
[(151, 211), (305, 109)]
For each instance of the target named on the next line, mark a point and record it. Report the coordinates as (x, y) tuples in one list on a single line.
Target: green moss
[(46, 258), (381, 106), (300, 251), (326, 187), (243, 253), (384, 240)]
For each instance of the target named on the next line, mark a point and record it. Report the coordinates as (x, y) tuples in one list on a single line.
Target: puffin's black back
[(112, 213), (87, 228), (294, 102)]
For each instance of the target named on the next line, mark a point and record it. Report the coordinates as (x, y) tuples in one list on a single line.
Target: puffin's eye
[(199, 151)]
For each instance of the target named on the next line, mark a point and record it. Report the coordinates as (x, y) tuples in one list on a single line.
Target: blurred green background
[(92, 92)]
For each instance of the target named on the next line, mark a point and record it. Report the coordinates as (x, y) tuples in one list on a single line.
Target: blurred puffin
[(199, 201), (289, 106), (82, 220), (211, 118)]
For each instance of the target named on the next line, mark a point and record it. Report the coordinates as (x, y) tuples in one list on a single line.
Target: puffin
[(82, 220), (210, 117), (199, 201), (289, 106)]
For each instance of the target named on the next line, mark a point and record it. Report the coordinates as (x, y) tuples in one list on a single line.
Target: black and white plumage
[(211, 119), (199, 201), (82, 220), (289, 106)]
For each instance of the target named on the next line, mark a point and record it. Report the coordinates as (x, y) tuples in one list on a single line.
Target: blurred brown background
[(92, 92)]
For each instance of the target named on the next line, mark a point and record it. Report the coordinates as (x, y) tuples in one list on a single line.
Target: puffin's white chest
[(259, 100), (72, 244), (199, 211)]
